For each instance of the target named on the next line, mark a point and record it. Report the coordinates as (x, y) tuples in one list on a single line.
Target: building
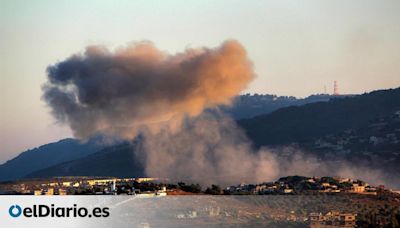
[(332, 219), (357, 188), (397, 191), (49, 191), (62, 192), (287, 190)]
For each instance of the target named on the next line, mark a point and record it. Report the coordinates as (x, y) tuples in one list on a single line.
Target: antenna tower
[(335, 88)]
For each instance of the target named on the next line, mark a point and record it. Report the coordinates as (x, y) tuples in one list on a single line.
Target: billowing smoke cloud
[(142, 90), (140, 86)]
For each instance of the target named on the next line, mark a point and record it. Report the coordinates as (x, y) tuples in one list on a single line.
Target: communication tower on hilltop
[(335, 88)]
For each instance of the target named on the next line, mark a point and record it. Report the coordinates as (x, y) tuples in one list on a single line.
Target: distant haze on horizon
[(297, 47)]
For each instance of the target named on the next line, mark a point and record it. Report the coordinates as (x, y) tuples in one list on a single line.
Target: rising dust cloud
[(141, 90)]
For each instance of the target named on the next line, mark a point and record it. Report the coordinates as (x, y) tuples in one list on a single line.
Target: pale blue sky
[(297, 47)]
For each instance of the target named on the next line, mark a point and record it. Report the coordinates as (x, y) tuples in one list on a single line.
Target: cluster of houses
[(301, 185), (332, 219), (383, 131), (82, 185), (290, 185)]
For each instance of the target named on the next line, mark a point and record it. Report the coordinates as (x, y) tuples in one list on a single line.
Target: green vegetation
[(194, 188)]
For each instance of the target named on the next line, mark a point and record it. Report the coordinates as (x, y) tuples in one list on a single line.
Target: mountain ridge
[(259, 129)]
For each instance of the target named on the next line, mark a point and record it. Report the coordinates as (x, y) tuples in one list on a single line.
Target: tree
[(214, 190), (195, 188)]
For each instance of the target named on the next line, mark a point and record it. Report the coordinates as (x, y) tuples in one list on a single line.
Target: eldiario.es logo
[(61, 212)]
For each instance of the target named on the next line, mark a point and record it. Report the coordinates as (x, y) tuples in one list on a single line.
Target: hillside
[(45, 156), (116, 161), (299, 123)]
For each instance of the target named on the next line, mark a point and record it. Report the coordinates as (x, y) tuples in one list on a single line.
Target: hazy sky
[(297, 47)]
